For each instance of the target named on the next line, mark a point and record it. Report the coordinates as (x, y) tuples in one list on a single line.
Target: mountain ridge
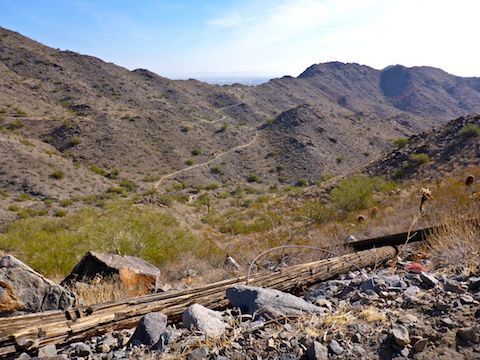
[(145, 125)]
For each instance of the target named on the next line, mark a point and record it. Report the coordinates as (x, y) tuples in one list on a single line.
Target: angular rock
[(269, 302), (429, 280), (335, 347), (82, 349), (468, 334), (453, 286), (420, 345), (466, 299), (23, 290), (369, 286), (198, 354), (199, 318), (47, 351), (317, 351), (400, 335), (231, 264), (474, 284), (149, 329), (119, 354), (138, 276)]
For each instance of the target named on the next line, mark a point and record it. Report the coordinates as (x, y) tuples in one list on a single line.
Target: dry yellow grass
[(372, 314), (100, 291), (456, 247)]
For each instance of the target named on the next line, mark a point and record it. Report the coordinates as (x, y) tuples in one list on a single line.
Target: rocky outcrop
[(149, 329), (269, 302), (138, 276), (23, 290), (198, 318)]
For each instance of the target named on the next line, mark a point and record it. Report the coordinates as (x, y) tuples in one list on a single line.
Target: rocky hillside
[(144, 126), (443, 150)]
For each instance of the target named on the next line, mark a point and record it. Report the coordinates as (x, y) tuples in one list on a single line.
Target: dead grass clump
[(456, 247), (372, 314), (99, 291)]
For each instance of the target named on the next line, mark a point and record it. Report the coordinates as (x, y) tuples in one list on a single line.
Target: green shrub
[(470, 130), (4, 193), (301, 183), (151, 178), (400, 142), (398, 173), (196, 152), (75, 140), (116, 190), (317, 212), (223, 128), (419, 159), (23, 197), (57, 175), (189, 162), (253, 178), (14, 208), (114, 173), (127, 184), (212, 186), (53, 246), (66, 202), (216, 170), (20, 112), (68, 123), (17, 124), (30, 212), (60, 213), (98, 170), (357, 192)]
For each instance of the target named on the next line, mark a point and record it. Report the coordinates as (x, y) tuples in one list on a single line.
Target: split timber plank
[(29, 332), (400, 239)]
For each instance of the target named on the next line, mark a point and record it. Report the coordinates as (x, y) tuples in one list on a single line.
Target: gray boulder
[(400, 335), (149, 329), (47, 351), (317, 351), (199, 318), (23, 290), (268, 302)]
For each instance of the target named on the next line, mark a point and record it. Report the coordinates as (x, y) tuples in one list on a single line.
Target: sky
[(208, 38)]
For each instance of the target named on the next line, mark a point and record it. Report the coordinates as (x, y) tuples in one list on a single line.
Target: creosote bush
[(400, 142), (357, 192), (470, 130), (57, 175), (53, 246), (419, 159)]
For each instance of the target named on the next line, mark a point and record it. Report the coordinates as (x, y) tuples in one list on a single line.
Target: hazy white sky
[(188, 38)]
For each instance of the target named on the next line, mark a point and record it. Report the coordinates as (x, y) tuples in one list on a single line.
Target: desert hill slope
[(442, 150), (146, 126)]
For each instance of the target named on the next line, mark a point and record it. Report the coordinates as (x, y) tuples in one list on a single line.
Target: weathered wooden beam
[(400, 239), (29, 332)]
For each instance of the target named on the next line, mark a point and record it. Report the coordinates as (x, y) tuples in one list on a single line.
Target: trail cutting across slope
[(236, 148)]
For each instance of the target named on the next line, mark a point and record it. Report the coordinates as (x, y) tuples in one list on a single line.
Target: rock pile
[(23, 290), (362, 314)]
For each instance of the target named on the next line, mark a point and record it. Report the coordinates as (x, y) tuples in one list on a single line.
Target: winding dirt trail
[(223, 118), (218, 156)]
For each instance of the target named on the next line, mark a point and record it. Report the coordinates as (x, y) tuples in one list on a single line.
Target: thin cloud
[(230, 21)]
